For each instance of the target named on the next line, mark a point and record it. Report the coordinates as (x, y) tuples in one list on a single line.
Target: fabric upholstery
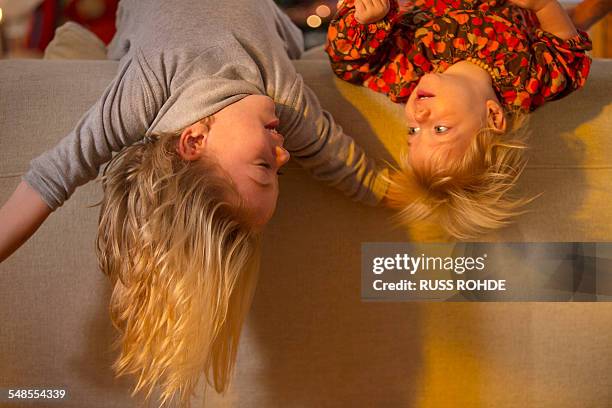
[(309, 339), (73, 41)]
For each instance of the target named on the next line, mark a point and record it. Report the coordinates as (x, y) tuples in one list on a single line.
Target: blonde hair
[(470, 195), (183, 264)]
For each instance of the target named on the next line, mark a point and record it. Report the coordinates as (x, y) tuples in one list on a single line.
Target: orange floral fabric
[(391, 55)]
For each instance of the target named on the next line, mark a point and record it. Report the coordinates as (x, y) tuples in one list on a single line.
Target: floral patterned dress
[(530, 65)]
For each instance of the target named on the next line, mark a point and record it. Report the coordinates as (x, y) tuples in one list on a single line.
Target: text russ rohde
[(518, 271)]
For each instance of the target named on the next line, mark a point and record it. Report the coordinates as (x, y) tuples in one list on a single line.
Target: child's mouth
[(274, 124), (424, 94)]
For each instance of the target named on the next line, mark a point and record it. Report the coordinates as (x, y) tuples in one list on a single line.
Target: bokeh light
[(323, 11), (313, 21)]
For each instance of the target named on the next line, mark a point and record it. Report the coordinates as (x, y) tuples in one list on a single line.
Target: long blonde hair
[(183, 264), (470, 195)]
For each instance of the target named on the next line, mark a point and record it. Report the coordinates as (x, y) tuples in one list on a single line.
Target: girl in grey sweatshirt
[(181, 61), (173, 236)]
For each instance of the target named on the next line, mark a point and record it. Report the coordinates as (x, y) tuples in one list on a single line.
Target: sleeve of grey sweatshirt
[(119, 118), (319, 144)]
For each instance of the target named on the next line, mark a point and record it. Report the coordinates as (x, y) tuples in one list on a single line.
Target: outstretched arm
[(20, 217), (559, 63), (320, 145), (119, 118), (551, 15), (554, 19), (589, 12)]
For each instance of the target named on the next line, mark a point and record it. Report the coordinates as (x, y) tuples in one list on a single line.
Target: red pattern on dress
[(532, 66)]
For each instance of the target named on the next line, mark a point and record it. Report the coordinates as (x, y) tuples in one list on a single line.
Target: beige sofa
[(309, 340)]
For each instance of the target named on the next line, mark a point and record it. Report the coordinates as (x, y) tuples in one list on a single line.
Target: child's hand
[(371, 11), (535, 5)]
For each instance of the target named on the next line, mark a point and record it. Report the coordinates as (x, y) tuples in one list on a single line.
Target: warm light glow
[(323, 11), (313, 21), (0, 15)]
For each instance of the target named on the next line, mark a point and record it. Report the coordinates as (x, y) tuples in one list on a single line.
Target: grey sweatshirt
[(183, 60)]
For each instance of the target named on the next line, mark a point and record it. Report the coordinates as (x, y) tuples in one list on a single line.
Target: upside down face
[(445, 112), (243, 140)]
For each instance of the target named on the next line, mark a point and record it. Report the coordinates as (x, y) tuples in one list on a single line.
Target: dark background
[(27, 26)]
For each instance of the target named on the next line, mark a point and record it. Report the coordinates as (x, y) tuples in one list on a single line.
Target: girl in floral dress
[(468, 72)]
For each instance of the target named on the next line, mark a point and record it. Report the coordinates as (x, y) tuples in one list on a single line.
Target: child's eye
[(413, 130), (266, 166), (440, 129)]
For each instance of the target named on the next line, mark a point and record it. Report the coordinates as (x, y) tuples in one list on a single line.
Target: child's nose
[(279, 137), (282, 156), (421, 113)]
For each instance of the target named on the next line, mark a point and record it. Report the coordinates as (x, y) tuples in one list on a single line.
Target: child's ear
[(192, 141), (496, 118)]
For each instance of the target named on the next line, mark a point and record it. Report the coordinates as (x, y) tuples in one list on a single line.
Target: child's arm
[(588, 12), (353, 47), (119, 118), (320, 146), (559, 62), (553, 19), (20, 217)]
